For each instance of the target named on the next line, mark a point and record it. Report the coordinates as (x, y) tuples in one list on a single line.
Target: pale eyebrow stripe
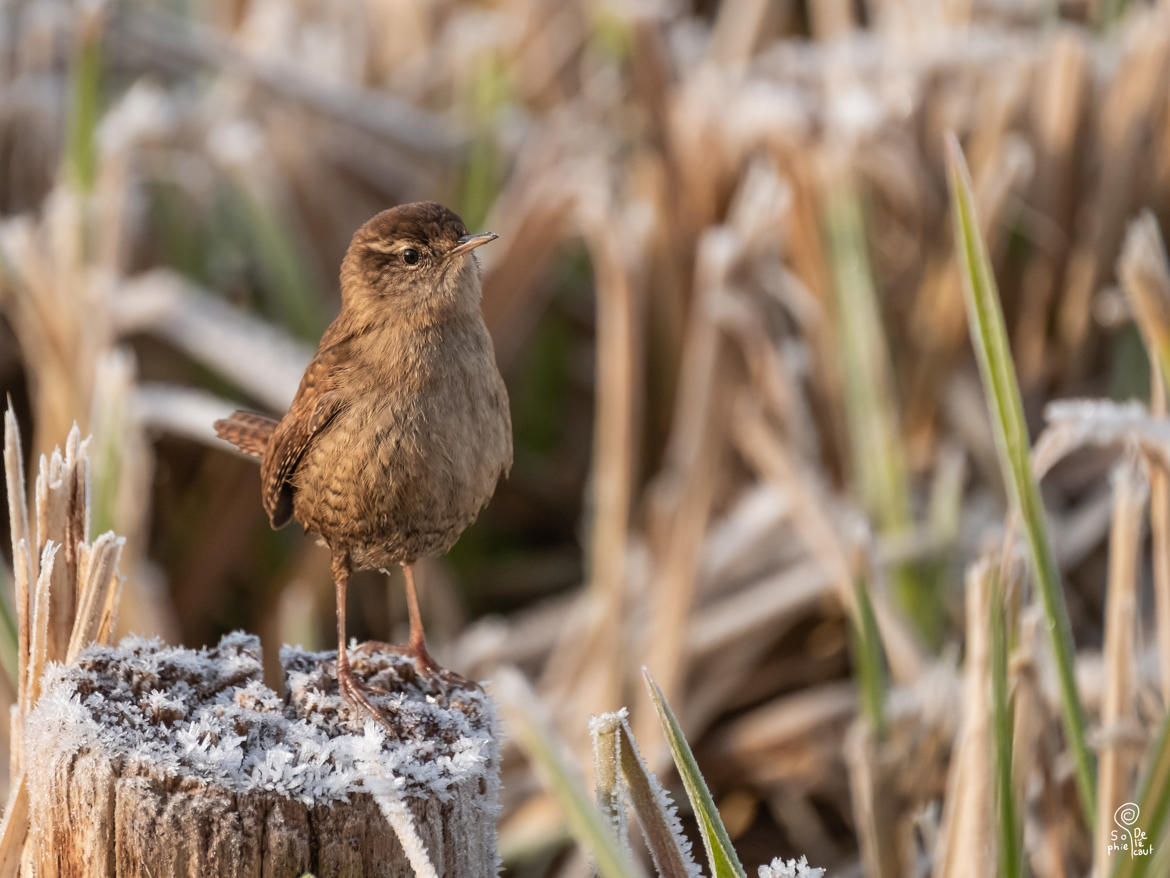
[(396, 247)]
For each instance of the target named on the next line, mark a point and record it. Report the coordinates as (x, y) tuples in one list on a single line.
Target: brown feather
[(248, 431)]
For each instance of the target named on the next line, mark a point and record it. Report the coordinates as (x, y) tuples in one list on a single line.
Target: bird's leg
[(416, 647), (418, 641), (352, 689)]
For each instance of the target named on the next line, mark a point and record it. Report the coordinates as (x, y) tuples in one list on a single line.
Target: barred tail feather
[(248, 431)]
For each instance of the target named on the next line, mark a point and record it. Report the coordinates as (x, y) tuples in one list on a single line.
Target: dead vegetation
[(729, 306)]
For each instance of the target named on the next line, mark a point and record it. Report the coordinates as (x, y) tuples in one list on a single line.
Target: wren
[(400, 428)]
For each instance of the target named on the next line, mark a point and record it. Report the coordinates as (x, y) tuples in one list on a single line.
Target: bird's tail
[(248, 431)]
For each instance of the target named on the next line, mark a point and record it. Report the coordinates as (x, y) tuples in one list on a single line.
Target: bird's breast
[(414, 455)]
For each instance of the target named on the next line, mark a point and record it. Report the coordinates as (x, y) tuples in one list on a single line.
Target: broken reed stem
[(66, 590), (1116, 760), (606, 774), (622, 775), (21, 559), (38, 651)]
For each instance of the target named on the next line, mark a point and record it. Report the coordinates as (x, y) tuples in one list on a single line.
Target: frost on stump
[(153, 760)]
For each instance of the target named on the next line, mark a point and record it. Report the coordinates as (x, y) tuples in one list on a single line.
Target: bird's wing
[(315, 406)]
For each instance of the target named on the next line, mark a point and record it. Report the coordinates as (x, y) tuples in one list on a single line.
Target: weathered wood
[(145, 760)]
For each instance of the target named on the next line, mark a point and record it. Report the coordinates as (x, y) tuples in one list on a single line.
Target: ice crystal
[(779, 868), (206, 714)]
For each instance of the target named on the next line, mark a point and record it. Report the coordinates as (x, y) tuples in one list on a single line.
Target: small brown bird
[(400, 429)]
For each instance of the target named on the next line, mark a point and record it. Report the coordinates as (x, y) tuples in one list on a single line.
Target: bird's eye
[(410, 256)]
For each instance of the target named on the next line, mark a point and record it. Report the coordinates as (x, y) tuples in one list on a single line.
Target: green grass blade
[(540, 745), (1002, 721), (286, 275), (1154, 801), (9, 643), (84, 99), (871, 411), (1109, 14), (1002, 390), (490, 93), (656, 813), (720, 854), (871, 671)]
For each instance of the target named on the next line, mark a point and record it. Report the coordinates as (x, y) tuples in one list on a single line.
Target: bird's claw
[(357, 694), (424, 663)]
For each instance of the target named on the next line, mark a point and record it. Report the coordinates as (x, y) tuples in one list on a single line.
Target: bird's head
[(416, 258)]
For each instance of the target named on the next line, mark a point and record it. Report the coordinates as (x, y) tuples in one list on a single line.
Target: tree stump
[(147, 760)]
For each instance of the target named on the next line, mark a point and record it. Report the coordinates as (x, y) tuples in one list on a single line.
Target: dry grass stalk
[(13, 830), (868, 785), (60, 300), (1121, 138), (757, 442), (738, 29), (831, 19), (1058, 105), (967, 840), (614, 258), (1145, 275), (1035, 745), (533, 218), (683, 494), (1160, 536), (1117, 760), (181, 46)]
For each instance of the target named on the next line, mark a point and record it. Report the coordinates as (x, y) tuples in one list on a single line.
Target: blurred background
[(726, 303)]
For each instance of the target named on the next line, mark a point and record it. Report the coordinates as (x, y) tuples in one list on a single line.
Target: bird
[(400, 428)]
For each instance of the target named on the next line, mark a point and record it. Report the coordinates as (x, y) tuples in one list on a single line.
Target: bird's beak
[(469, 242)]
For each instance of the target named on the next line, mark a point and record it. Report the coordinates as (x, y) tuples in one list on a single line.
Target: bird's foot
[(358, 694), (424, 663)]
